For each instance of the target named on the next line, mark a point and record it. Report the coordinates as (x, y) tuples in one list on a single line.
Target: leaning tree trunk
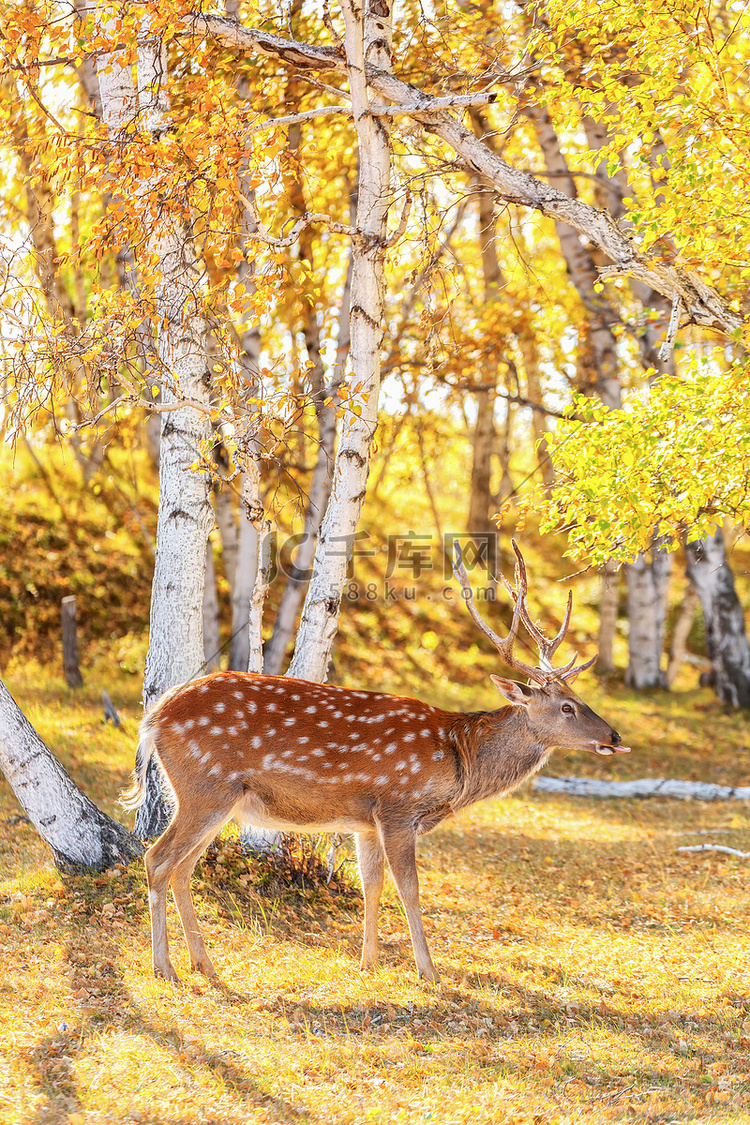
[(175, 652), (336, 539), (724, 622), (79, 834)]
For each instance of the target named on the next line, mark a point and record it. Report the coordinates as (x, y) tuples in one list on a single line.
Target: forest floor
[(591, 972)]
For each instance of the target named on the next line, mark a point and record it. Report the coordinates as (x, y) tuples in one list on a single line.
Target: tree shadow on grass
[(52, 1060)]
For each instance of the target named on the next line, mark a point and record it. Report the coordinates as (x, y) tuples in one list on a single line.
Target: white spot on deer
[(400, 765), (303, 758), (327, 765), (410, 736), (318, 753), (415, 768), (196, 751), (233, 775), (205, 758), (269, 761), (348, 777), (219, 707), (232, 731), (338, 714), (237, 694), (440, 732), (287, 754), (425, 732), (204, 720), (270, 732), (311, 710), (205, 687), (176, 728), (290, 721), (438, 755), (376, 757), (215, 731), (342, 765), (303, 740), (382, 780), (189, 724), (323, 724), (271, 707), (215, 771), (252, 707), (391, 747), (257, 742), (295, 698)]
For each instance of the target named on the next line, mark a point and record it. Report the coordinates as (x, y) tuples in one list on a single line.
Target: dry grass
[(591, 973)]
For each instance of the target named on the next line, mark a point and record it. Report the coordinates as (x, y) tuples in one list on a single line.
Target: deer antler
[(547, 647)]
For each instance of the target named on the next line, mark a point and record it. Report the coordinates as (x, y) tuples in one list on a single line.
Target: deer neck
[(497, 751)]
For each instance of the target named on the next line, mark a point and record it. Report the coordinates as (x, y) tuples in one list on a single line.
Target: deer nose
[(614, 738)]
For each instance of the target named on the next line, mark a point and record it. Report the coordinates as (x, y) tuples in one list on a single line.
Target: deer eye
[(568, 709)]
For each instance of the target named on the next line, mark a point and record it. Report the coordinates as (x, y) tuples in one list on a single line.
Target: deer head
[(555, 712)]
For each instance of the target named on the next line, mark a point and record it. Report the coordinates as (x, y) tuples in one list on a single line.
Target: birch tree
[(78, 834), (368, 45)]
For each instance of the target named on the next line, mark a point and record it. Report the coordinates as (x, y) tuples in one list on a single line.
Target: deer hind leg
[(400, 844), (172, 858), (371, 861)]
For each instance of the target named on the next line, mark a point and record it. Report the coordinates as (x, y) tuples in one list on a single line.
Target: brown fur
[(299, 756)]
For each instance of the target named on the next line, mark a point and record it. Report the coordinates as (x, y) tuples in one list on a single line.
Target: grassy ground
[(591, 972)]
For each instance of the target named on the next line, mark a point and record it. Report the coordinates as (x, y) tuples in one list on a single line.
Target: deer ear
[(514, 692)]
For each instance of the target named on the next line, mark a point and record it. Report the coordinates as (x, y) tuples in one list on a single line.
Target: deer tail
[(133, 797)]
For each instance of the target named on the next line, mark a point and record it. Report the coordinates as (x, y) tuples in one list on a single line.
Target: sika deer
[(298, 756)]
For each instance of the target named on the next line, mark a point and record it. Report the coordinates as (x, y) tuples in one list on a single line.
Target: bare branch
[(307, 220), (667, 347)]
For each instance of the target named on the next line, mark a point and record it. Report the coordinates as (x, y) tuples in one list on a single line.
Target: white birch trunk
[(175, 652), (211, 639), (336, 539), (251, 520), (245, 573), (79, 834), (228, 533), (320, 491), (680, 634), (724, 622), (648, 586)]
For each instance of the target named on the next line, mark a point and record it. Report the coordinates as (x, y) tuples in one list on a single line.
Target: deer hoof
[(430, 976), (166, 973)]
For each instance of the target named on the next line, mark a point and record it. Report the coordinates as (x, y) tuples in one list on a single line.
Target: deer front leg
[(371, 862), (400, 844)]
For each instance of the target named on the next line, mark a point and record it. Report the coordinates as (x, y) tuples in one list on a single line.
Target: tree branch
[(703, 304)]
